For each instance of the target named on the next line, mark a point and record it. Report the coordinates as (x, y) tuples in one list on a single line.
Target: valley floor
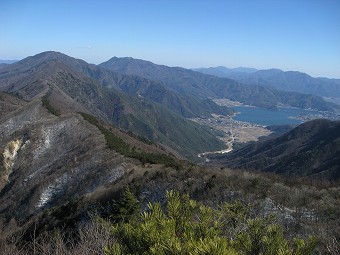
[(235, 131)]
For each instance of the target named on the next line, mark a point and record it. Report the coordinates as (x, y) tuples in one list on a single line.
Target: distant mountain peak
[(116, 59)]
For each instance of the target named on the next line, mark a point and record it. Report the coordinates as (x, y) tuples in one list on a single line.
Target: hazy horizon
[(291, 35), (192, 68)]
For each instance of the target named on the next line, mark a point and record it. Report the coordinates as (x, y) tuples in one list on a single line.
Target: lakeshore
[(249, 123)]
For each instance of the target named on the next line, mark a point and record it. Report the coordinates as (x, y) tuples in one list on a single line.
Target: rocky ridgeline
[(48, 160)]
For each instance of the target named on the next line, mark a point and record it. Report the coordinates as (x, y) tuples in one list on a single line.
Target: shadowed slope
[(311, 149)]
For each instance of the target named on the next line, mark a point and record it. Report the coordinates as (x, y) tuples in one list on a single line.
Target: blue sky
[(301, 35)]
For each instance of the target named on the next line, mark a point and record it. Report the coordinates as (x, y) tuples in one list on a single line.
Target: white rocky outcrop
[(9, 154), (53, 189)]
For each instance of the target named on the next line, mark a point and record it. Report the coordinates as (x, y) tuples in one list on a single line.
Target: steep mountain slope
[(287, 81), (182, 104), (9, 103), (311, 149), (45, 154), (72, 91), (205, 86), (176, 78), (48, 160), (185, 105), (2, 65), (56, 170)]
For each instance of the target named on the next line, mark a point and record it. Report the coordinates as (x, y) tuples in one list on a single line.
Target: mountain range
[(149, 100), (288, 81), (73, 135), (204, 86), (74, 86)]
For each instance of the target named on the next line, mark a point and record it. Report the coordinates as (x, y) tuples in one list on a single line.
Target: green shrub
[(125, 208), (185, 226)]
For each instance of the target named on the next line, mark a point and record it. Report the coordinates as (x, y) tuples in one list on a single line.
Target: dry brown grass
[(91, 239)]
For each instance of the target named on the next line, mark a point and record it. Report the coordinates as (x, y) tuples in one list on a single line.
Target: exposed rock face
[(8, 157), (48, 160)]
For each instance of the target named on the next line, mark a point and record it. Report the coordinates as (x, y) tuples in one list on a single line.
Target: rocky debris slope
[(48, 160)]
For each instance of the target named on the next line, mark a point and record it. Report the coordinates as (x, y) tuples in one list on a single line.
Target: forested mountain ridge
[(286, 81), (312, 149), (182, 104), (205, 86), (63, 81)]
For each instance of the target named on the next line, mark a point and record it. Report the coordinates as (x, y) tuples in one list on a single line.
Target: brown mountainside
[(64, 83), (311, 149)]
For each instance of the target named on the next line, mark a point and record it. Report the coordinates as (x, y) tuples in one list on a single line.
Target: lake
[(266, 117)]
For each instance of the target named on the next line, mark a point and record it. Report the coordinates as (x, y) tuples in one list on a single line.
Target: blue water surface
[(267, 117)]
